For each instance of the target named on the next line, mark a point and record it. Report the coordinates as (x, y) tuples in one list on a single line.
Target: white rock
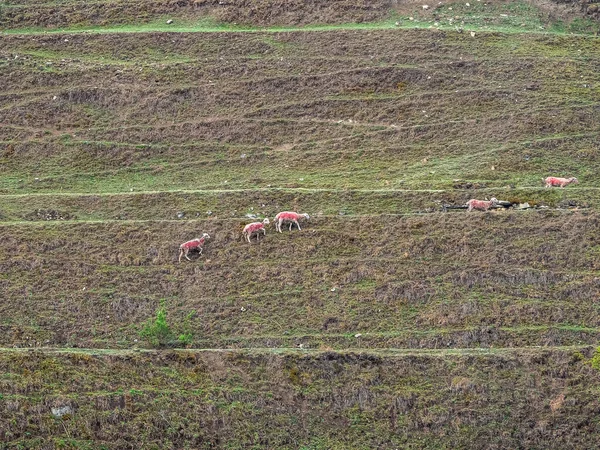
[(59, 411), (169, 22), (472, 34), (425, 6), (357, 335)]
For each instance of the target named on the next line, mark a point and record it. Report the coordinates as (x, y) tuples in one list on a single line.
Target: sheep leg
[(200, 250), (180, 254), (291, 224), (298, 225), (278, 225)]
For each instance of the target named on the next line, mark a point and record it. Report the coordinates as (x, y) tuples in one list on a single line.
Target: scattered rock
[(472, 34), (169, 22), (48, 214), (357, 335), (180, 215), (568, 204), (425, 7), (523, 206), (243, 156)]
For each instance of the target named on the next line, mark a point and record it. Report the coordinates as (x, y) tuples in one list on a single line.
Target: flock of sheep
[(256, 228)]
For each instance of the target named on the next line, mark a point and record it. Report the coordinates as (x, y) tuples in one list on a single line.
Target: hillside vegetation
[(391, 320)]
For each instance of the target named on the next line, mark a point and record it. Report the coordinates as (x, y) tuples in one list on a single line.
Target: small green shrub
[(158, 331), (160, 334)]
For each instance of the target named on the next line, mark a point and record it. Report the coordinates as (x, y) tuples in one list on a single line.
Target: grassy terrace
[(409, 281), (385, 322), (301, 399)]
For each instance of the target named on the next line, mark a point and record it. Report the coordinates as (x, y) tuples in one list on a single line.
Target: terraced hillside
[(390, 320)]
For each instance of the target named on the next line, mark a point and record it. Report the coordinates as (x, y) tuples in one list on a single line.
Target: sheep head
[(574, 180), (266, 221), (205, 235), (306, 216)]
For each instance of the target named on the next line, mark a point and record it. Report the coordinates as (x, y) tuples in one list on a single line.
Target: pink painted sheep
[(291, 217), (481, 205), (255, 227), (194, 244), (562, 182)]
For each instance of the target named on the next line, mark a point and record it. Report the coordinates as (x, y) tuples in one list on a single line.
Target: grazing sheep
[(194, 244), (481, 205), (255, 227), (562, 182), (291, 217)]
